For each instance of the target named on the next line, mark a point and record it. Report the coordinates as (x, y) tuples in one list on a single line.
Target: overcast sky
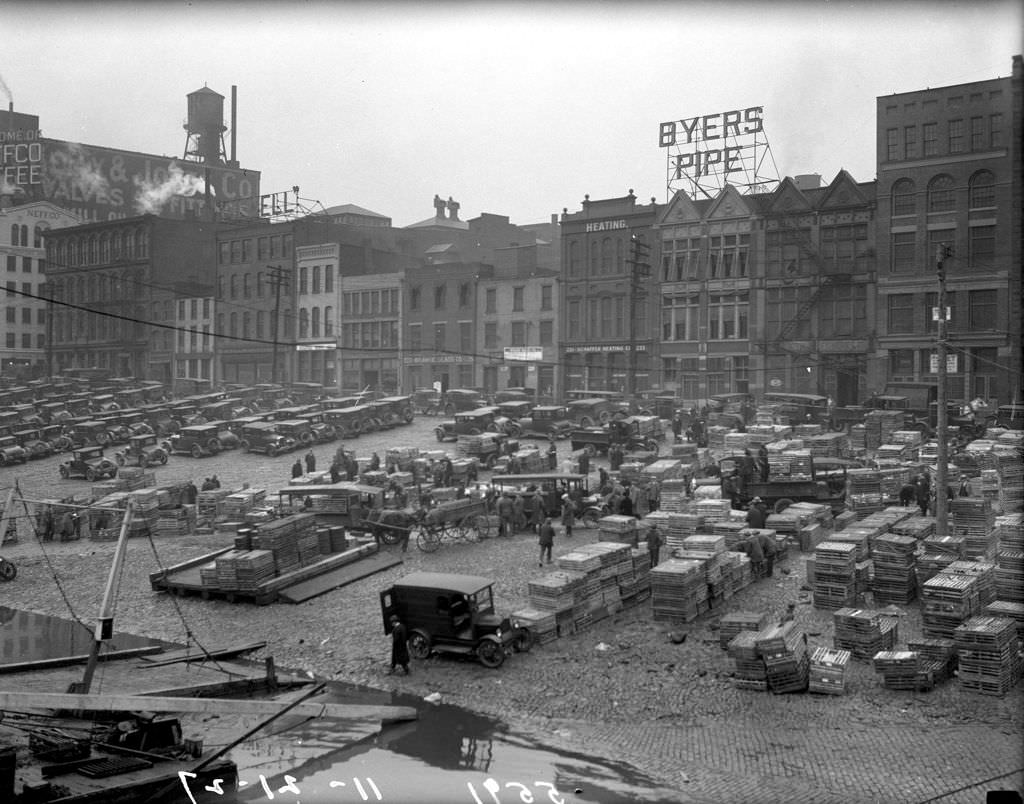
[(515, 109)]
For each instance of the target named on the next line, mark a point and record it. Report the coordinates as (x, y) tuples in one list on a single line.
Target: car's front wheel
[(490, 653), (419, 645)]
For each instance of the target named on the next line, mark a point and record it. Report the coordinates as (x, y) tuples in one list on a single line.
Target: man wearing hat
[(757, 514), (399, 646)]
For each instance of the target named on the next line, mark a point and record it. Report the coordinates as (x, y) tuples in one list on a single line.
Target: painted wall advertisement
[(100, 184)]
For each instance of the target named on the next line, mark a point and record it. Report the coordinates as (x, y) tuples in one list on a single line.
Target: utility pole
[(279, 275), (941, 436), (640, 269)]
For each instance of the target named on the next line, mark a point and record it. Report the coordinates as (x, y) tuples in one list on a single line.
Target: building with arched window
[(949, 178)]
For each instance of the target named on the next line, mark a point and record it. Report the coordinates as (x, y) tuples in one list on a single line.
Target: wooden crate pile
[(892, 479), (1010, 557), (919, 527), (558, 592), (784, 651), (711, 511), (543, 624), (937, 553), (828, 671), (732, 530), (974, 518), (879, 425), (679, 591), (903, 670), (739, 569), (1009, 609), (835, 580), (253, 567), (947, 601), (936, 655), (716, 437), (710, 551), (617, 528), (665, 469), (983, 571), (750, 672), (864, 491), (176, 521), (235, 505), (673, 495), (736, 443), (894, 578), (1011, 477), (280, 536), (735, 621), (864, 632), (988, 654)]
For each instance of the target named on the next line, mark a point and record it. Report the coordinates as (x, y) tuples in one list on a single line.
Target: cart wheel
[(782, 505), (90, 475), (491, 654), (163, 459), (483, 526), (523, 641), (468, 529), (514, 429), (244, 444), (429, 541), (586, 421), (8, 572), (836, 426), (389, 536), (651, 446), (419, 645), (605, 416)]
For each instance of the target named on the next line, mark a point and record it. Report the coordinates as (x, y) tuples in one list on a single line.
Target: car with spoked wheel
[(142, 451), (197, 440), (452, 613), (90, 463)]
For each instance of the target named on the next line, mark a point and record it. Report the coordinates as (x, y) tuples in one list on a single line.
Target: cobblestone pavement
[(620, 690)]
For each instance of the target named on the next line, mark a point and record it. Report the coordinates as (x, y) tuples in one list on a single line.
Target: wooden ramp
[(336, 578)]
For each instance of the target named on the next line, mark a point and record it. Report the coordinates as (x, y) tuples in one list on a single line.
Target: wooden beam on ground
[(241, 706), (67, 661), (195, 655)]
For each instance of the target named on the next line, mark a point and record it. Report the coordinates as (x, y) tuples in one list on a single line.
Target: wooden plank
[(239, 706), (194, 655), (66, 661), (342, 576), (192, 562)]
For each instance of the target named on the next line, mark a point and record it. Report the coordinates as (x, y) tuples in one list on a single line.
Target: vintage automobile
[(515, 409), (226, 409), (350, 505), (1010, 416), (335, 403), (305, 393), (633, 433), (263, 437), (225, 434), (544, 421), (142, 450), (590, 411), (197, 440), (104, 402), (293, 412), (515, 395), (735, 410), (825, 485), (394, 410), (54, 412), (89, 433), (450, 613), (11, 451), (456, 400), (34, 444), (27, 415), (90, 463), (351, 421), (137, 422), (797, 408), (162, 422), (552, 488), (322, 431), (117, 430), (427, 401), (298, 431), (470, 422), (55, 436)]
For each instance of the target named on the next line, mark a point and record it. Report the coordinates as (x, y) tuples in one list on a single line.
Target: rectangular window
[(236, 251), (931, 303), (983, 312), (12, 263), (224, 253), (931, 139), (977, 133), (892, 144), (464, 294), (439, 300), (901, 364), (11, 342), (26, 340), (26, 315), (303, 280), (680, 316), (316, 278), (517, 299), (414, 299), (518, 333), (727, 316), (466, 337), (440, 336), (547, 333), (546, 297), (415, 337), (981, 246), (901, 312), (910, 142), (944, 238), (247, 251), (26, 265), (956, 136), (328, 279), (575, 321), (842, 311), (262, 248), (490, 335), (12, 315), (995, 130), (490, 300)]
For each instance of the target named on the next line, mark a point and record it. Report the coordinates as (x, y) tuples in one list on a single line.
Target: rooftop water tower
[(205, 127)]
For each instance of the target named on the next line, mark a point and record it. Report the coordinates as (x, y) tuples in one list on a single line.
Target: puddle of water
[(449, 755), (26, 636)]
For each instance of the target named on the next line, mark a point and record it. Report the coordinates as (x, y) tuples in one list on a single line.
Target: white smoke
[(80, 170), (152, 195)]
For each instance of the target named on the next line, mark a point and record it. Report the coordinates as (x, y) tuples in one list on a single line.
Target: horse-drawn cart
[(461, 520)]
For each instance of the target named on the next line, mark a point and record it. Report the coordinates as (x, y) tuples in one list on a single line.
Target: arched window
[(81, 289), (303, 322), (93, 289), (315, 323), (904, 198), (24, 235), (94, 250), (105, 248), (233, 326), (594, 257), (247, 285), (620, 265), (606, 256), (941, 194), (234, 286), (574, 258), (118, 245), (983, 190), (129, 244), (247, 325), (37, 235), (143, 244), (15, 234), (329, 322)]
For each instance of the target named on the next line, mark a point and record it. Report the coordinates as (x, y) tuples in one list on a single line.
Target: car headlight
[(498, 633)]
